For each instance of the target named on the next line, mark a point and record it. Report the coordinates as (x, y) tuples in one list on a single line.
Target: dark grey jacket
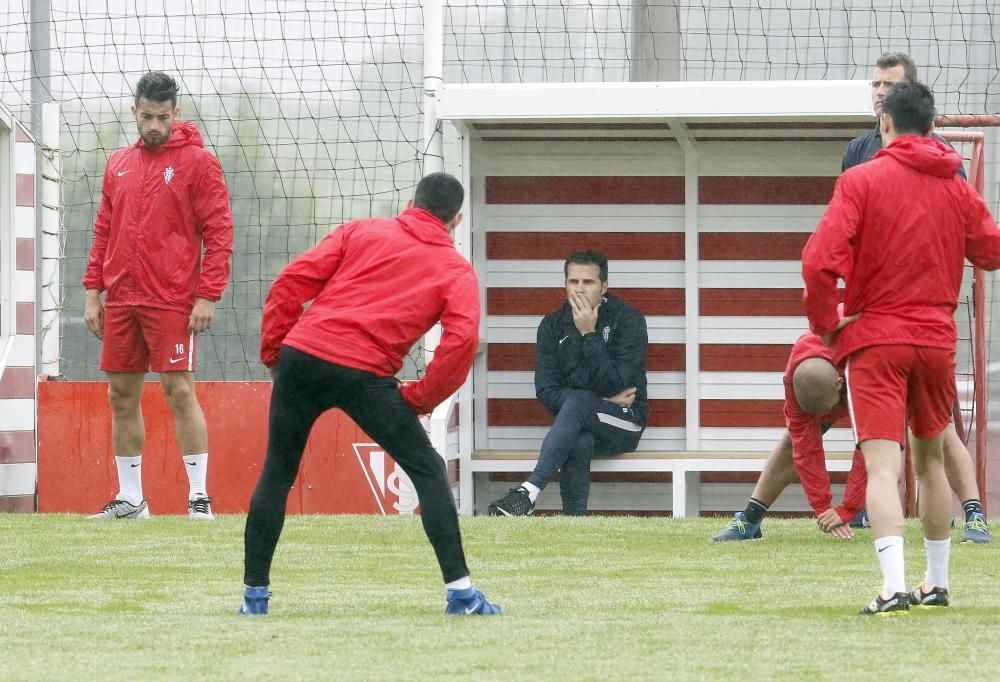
[(865, 146), (613, 360)]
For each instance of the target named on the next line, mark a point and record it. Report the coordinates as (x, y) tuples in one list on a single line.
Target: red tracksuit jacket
[(159, 207), (377, 286), (806, 432), (897, 230)]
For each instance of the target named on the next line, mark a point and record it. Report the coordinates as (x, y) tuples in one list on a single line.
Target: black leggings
[(305, 388)]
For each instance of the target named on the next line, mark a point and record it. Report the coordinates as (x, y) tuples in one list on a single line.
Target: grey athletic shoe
[(976, 531), (123, 509), (201, 508)]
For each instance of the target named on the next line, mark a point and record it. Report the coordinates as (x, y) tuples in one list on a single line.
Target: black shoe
[(896, 605), (516, 502), (938, 596)]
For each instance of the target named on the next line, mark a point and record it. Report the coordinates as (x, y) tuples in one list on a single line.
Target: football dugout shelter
[(702, 195)]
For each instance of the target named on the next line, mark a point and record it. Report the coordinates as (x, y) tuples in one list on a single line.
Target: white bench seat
[(685, 467)]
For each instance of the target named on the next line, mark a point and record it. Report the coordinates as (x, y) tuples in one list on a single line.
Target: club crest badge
[(391, 487), (168, 174)]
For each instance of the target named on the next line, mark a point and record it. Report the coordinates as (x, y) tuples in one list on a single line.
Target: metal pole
[(40, 17), (979, 304), (433, 144)]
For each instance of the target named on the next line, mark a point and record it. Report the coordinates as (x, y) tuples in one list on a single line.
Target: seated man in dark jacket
[(590, 372)]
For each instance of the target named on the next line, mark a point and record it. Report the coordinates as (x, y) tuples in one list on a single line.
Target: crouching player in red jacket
[(376, 286), (814, 401), (812, 383), (896, 231)]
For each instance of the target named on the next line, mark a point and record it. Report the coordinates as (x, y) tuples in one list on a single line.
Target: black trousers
[(305, 388)]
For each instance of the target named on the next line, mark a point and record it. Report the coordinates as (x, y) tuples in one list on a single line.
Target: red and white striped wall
[(706, 243), (17, 309)]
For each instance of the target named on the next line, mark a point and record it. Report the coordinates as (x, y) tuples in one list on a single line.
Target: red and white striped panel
[(752, 230), (17, 350)]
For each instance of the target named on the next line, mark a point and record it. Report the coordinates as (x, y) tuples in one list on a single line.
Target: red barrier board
[(343, 471)]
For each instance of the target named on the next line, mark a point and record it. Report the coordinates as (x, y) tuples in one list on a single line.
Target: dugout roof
[(637, 110)]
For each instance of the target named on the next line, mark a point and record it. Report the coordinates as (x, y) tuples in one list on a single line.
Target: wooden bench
[(684, 466)]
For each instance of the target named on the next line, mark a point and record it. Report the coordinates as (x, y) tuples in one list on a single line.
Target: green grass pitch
[(360, 597)]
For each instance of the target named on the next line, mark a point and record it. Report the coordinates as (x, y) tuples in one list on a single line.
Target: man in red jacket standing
[(892, 68), (163, 201), (896, 231), (376, 286)]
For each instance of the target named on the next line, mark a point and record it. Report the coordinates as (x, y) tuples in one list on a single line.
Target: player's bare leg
[(192, 436), (935, 514), (128, 435), (885, 511), (961, 472)]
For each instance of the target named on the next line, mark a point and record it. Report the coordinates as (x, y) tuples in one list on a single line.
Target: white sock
[(938, 552), (460, 584), (130, 478), (889, 550), (533, 491), (196, 467)]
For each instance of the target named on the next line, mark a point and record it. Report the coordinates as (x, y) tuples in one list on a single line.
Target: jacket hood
[(424, 226), (183, 133), (924, 154)]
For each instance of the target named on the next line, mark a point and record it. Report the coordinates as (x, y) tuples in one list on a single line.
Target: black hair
[(440, 194), (156, 86), (911, 107), (891, 59), (587, 258)]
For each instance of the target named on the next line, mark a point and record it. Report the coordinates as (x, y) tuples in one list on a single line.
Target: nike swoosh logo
[(121, 173), (174, 361), (471, 610), (883, 549), (563, 339), (192, 464), (134, 465)]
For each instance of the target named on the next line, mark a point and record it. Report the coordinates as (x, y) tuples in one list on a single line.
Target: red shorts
[(138, 339), (890, 385)]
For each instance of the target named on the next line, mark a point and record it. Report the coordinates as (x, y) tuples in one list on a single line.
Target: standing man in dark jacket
[(891, 68), (163, 202), (376, 287), (590, 372)]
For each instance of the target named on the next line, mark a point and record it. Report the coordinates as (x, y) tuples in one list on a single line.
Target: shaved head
[(817, 386)]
